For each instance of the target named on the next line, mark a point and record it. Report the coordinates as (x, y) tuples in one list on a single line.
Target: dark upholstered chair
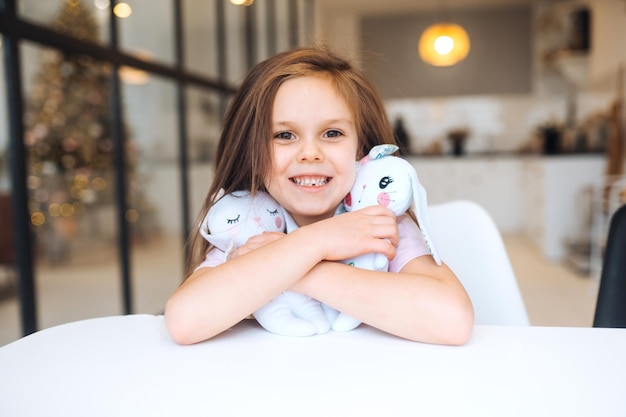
[(611, 305)]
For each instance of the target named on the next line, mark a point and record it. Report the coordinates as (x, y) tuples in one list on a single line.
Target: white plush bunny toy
[(230, 222), (392, 182)]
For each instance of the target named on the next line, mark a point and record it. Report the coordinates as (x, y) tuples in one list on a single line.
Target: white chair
[(470, 244)]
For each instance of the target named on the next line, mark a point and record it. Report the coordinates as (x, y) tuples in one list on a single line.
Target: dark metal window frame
[(15, 30)]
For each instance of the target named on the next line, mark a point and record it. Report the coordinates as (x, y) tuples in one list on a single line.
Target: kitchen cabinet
[(547, 199), (558, 200), (491, 181)]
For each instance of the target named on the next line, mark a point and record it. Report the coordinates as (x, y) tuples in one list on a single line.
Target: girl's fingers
[(369, 230)]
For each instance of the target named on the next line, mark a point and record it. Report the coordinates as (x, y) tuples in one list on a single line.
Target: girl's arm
[(212, 300), (423, 302)]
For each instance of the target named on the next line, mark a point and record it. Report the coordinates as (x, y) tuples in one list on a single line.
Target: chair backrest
[(469, 242), (611, 303)]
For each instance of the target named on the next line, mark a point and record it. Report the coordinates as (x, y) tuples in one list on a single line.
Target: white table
[(128, 366)]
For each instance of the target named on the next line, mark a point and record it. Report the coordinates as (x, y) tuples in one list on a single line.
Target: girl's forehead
[(305, 89)]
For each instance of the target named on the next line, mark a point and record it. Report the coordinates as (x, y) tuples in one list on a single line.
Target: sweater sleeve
[(213, 258), (410, 246)]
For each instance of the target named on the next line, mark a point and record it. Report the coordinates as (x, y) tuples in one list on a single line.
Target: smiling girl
[(295, 129)]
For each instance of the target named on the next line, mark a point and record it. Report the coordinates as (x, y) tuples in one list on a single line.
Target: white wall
[(609, 35), (502, 122), (340, 31)]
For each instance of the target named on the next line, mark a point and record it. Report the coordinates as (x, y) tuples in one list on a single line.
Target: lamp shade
[(444, 44)]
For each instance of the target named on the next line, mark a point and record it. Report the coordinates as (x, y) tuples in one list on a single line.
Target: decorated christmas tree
[(69, 139)]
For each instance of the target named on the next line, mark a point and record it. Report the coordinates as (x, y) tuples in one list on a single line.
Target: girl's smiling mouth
[(310, 181)]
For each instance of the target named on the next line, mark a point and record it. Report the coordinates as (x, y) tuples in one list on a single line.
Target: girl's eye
[(273, 212), (233, 221), (333, 134), (384, 182), (284, 135)]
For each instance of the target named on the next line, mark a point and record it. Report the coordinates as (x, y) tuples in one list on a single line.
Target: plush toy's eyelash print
[(233, 221), (272, 212)]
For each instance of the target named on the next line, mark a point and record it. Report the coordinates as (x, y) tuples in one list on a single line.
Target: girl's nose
[(310, 151)]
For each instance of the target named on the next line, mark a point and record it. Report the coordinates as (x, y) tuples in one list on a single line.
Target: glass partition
[(70, 180), (153, 185), (204, 125), (146, 29), (9, 307), (200, 34), (83, 19), (235, 43)]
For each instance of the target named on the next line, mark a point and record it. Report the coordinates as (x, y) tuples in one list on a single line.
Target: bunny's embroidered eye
[(233, 221), (273, 212), (384, 182)]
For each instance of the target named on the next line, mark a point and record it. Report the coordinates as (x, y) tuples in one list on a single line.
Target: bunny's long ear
[(380, 151), (219, 195), (204, 224), (420, 208), (204, 228)]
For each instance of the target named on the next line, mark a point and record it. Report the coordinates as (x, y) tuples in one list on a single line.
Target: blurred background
[(111, 111)]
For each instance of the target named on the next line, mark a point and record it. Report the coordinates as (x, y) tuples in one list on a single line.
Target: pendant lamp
[(242, 2), (444, 44)]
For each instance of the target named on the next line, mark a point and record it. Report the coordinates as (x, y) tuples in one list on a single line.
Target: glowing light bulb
[(444, 45), (122, 10)]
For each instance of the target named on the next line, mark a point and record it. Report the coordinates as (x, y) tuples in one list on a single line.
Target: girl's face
[(314, 147)]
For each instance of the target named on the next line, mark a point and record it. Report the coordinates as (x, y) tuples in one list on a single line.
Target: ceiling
[(369, 7)]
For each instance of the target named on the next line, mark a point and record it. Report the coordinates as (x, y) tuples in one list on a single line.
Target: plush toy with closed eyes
[(389, 181), (230, 222)]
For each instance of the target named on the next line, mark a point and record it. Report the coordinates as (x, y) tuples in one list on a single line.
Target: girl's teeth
[(310, 182)]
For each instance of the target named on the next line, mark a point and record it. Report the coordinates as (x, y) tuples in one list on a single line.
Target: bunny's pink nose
[(383, 199)]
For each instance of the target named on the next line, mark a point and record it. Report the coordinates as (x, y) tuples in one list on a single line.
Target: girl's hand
[(256, 242), (372, 229)]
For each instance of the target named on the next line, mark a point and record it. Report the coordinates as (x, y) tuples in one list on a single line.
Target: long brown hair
[(243, 159)]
